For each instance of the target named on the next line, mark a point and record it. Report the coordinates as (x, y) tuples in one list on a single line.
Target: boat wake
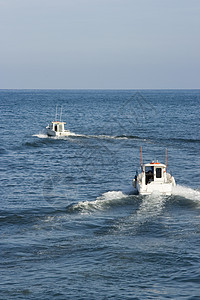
[(102, 202), (72, 134), (186, 192), (149, 209), (151, 206), (118, 137), (41, 135), (44, 136), (143, 211)]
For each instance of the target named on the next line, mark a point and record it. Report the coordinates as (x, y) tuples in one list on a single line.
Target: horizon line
[(99, 89)]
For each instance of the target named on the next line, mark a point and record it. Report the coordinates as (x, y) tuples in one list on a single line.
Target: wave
[(185, 140), (102, 202), (27, 216), (186, 192), (128, 137), (41, 135), (117, 137), (2, 151)]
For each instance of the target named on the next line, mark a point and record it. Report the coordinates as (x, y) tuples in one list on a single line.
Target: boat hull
[(54, 133), (162, 188)]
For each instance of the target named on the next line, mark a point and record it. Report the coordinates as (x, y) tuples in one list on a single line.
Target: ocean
[(71, 226)]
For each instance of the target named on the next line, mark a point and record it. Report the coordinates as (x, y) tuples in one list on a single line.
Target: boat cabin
[(57, 126), (154, 172)]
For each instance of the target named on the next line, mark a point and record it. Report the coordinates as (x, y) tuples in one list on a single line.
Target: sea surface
[(71, 225)]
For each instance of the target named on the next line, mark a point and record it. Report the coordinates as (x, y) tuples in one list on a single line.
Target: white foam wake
[(102, 202), (102, 136), (186, 192), (41, 135), (149, 209), (44, 136), (151, 206)]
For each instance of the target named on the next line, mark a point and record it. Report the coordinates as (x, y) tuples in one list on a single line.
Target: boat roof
[(156, 164), (58, 122)]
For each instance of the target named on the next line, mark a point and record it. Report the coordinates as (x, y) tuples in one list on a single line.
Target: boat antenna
[(56, 112), (166, 157), (60, 113), (141, 157)]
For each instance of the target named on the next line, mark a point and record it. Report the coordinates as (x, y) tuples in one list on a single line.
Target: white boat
[(154, 178), (57, 128)]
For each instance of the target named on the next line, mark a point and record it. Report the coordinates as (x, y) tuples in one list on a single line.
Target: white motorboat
[(154, 178), (57, 128)]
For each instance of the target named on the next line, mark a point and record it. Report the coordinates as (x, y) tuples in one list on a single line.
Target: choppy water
[(70, 225)]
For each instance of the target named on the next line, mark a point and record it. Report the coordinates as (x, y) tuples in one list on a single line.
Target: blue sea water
[(70, 225)]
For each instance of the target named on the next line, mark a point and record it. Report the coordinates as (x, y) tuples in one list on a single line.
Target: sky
[(99, 44)]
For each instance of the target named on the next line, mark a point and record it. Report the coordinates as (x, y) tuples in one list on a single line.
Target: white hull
[(54, 133), (164, 188)]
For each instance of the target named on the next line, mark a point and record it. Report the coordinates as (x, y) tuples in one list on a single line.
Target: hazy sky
[(100, 44)]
